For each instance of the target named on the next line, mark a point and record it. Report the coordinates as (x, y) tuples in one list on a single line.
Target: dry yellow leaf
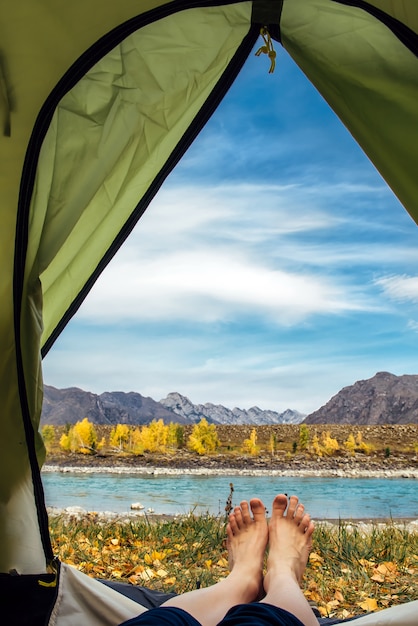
[(161, 573), (387, 568), (208, 563), (223, 562), (339, 596), (114, 542), (369, 604), (332, 604), (147, 574), (377, 577)]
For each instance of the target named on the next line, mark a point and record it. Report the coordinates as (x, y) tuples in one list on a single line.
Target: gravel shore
[(183, 462)]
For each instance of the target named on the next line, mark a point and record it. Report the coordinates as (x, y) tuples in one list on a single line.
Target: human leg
[(247, 540), (290, 541)]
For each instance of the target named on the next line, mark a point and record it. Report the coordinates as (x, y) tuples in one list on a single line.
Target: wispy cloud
[(211, 253), (400, 288)]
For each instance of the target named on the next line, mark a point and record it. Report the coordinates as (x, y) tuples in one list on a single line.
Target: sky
[(274, 268)]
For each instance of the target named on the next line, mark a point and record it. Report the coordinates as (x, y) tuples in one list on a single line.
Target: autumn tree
[(120, 437), (304, 436), (324, 446), (153, 437), (250, 445), (175, 438), (48, 435), (356, 444), (329, 444), (273, 443), (82, 438), (204, 438)]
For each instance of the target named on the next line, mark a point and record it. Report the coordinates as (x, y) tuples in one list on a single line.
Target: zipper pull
[(267, 48)]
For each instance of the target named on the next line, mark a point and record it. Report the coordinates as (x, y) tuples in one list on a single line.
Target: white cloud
[(215, 253), (413, 325), (400, 288), (211, 285)]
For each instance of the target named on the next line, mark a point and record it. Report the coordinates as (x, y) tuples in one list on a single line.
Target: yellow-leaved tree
[(120, 437), (204, 438), (175, 438), (356, 444), (82, 438), (152, 437), (250, 445), (327, 445), (48, 435), (304, 436)]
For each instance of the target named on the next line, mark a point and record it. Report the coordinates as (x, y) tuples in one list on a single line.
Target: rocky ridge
[(382, 399), (218, 414), (67, 406)]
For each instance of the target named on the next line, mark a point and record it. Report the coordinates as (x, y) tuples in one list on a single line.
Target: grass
[(350, 571)]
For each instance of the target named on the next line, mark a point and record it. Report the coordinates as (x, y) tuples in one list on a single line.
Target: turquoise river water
[(325, 498)]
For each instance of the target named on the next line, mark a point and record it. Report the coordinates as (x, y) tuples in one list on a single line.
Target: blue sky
[(274, 267)]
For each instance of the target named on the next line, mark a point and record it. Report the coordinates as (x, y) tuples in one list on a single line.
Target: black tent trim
[(405, 34)]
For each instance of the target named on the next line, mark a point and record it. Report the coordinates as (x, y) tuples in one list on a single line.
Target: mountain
[(383, 399), (62, 406), (218, 414)]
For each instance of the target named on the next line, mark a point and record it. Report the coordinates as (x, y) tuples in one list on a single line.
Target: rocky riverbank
[(184, 462)]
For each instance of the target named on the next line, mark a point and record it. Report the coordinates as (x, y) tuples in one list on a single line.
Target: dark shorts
[(254, 614)]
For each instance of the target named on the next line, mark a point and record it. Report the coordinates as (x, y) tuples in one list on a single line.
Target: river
[(325, 497)]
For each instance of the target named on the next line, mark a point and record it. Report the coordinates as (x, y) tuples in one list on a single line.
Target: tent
[(98, 102)]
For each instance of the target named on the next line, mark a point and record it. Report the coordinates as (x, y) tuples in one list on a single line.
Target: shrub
[(329, 444), (356, 444)]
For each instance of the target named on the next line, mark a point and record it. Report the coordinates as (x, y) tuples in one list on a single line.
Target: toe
[(279, 505), (299, 513), (304, 523), (293, 503), (233, 525), (229, 531), (258, 510), (246, 515), (238, 517)]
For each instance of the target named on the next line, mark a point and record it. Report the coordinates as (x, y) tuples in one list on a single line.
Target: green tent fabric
[(98, 102)]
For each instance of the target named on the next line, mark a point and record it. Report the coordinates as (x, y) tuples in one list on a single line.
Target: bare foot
[(290, 540), (247, 537)]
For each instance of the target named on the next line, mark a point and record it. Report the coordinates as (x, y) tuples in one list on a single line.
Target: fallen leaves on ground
[(348, 573)]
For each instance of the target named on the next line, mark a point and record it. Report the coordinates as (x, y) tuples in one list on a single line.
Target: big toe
[(279, 505), (258, 510)]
